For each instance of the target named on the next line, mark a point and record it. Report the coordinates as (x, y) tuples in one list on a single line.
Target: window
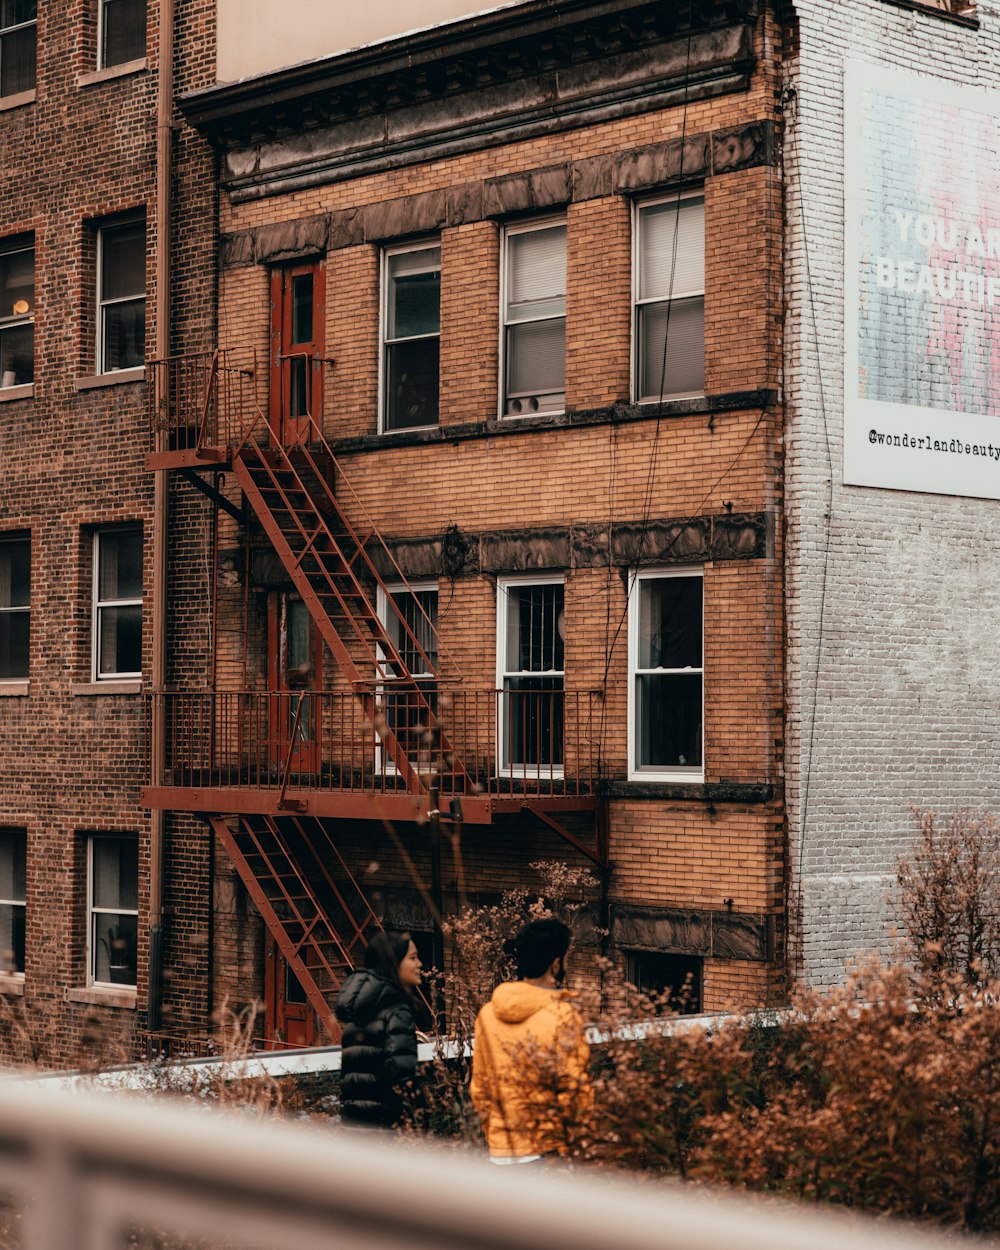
[(15, 611), (113, 909), (534, 321), (118, 603), (670, 298), (531, 627), (17, 314), (674, 980), (411, 337), (667, 673), (121, 296), (122, 35), (410, 615), (13, 844), (18, 37)]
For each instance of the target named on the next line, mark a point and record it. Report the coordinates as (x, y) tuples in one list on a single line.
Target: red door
[(297, 313), (289, 1018), (295, 676)]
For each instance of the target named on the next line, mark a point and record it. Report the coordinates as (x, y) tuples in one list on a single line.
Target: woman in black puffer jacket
[(377, 1009)]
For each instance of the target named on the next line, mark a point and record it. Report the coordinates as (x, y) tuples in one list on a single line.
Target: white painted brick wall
[(900, 704)]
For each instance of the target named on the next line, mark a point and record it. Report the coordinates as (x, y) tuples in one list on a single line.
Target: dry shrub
[(947, 896)]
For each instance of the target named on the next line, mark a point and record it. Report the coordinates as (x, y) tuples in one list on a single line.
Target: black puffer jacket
[(379, 1048)]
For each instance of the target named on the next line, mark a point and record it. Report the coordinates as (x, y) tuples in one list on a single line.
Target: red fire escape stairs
[(332, 569), (319, 921)]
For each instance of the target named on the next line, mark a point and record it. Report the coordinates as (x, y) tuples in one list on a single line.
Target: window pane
[(17, 355), (123, 260), (15, 573), (120, 644), (124, 31), (668, 724), (406, 607), (297, 619), (124, 336), (302, 308), (13, 12), (11, 938), (533, 720), (535, 628), (681, 324), (536, 367), (414, 294), (536, 267), (412, 383), (14, 640), (17, 60), (120, 564), (115, 867), (672, 249), (17, 283), (670, 623), (114, 940), (12, 864)]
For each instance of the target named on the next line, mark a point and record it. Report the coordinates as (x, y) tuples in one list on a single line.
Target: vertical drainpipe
[(164, 145)]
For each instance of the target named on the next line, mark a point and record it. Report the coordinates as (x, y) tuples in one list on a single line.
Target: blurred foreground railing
[(98, 1172), (528, 741)]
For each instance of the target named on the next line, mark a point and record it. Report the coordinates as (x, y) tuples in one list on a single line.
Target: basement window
[(17, 314), (117, 631), (411, 338), (666, 686), (676, 980), (15, 606), (534, 319), (669, 328), (113, 909), (18, 40), (121, 295), (121, 31), (13, 858)]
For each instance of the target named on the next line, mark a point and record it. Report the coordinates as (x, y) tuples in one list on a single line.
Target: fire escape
[(274, 771)]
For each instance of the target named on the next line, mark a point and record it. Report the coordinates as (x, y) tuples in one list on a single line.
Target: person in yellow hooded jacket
[(530, 1059)]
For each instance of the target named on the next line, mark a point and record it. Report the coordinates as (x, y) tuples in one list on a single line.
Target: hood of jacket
[(364, 995), (515, 1001)]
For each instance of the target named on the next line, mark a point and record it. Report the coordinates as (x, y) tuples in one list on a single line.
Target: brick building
[(467, 438)]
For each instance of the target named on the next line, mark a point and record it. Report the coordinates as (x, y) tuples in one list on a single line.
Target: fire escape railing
[(525, 742)]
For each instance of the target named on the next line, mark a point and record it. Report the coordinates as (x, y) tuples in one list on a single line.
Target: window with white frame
[(534, 319), (112, 909), (666, 661), (410, 616), (18, 46), (411, 336), (15, 606), (17, 313), (530, 635), (13, 859), (669, 330), (117, 627), (673, 982), (121, 295), (122, 31)]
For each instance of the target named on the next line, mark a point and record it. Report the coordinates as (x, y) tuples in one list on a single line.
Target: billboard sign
[(922, 284)]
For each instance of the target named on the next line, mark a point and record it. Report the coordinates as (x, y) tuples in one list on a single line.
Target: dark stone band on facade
[(709, 933)]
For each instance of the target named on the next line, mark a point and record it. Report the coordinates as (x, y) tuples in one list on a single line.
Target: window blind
[(660, 227)]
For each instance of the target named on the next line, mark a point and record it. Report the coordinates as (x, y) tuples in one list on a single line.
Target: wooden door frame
[(275, 1001), (307, 756), (288, 429)]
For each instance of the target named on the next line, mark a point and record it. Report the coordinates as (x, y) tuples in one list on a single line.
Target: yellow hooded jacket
[(529, 1070)]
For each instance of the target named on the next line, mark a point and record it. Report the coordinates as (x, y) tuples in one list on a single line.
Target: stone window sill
[(111, 379), (14, 689), (103, 996), (105, 687), (113, 71), (12, 984), (7, 393), (968, 18), (17, 100)]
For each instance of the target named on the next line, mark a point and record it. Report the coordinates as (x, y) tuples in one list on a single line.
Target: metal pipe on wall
[(164, 152)]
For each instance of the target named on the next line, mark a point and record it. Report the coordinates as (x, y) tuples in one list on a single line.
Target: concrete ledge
[(105, 687), (14, 689), (118, 378), (17, 100), (113, 71), (8, 393), (104, 996), (12, 984)]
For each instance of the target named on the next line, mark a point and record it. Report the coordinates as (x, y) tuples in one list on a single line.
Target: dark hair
[(538, 945), (385, 952)]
